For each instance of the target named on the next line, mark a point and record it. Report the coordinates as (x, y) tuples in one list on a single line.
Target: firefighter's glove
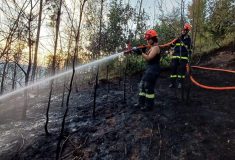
[(144, 49), (172, 45), (136, 51)]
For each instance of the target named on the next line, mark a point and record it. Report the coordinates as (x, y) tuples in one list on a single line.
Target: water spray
[(78, 68)]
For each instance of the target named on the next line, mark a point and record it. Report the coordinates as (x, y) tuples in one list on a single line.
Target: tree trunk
[(138, 18), (95, 91), (14, 78), (48, 108), (53, 65), (27, 73), (58, 149), (182, 13), (30, 44), (37, 42), (193, 22), (12, 31), (100, 29), (3, 76)]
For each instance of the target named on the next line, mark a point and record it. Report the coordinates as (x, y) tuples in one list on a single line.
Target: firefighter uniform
[(180, 57), (148, 81)]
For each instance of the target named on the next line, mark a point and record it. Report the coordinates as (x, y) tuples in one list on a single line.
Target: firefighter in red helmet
[(151, 73), (182, 51)]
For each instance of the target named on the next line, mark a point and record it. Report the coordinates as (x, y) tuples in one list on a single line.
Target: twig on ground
[(150, 140), (160, 142), (62, 146)]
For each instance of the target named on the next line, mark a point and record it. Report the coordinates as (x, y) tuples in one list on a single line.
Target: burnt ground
[(202, 129)]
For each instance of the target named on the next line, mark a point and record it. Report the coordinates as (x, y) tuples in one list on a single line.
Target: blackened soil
[(204, 128)]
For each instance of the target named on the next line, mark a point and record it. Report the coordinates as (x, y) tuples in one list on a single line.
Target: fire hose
[(189, 72), (205, 86), (130, 49)]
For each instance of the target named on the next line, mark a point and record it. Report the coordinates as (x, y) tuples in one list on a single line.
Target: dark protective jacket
[(182, 53), (182, 46)]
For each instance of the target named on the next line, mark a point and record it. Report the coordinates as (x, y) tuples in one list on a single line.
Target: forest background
[(41, 37)]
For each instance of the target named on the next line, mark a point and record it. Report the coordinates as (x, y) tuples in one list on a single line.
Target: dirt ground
[(174, 130)]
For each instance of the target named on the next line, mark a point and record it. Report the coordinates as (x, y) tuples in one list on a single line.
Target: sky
[(151, 6)]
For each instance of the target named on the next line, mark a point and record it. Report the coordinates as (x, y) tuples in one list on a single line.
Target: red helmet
[(150, 34), (187, 26)]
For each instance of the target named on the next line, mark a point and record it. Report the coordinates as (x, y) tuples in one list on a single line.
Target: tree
[(197, 14), (212, 23), (57, 27), (37, 41), (14, 21), (169, 26), (94, 15), (59, 61), (221, 20), (77, 37)]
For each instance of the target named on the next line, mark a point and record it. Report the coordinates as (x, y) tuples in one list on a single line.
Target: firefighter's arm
[(169, 44), (190, 47), (153, 52)]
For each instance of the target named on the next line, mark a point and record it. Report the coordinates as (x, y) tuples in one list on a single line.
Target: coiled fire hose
[(205, 86)]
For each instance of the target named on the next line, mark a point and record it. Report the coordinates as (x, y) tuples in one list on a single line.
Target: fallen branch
[(62, 146), (160, 142)]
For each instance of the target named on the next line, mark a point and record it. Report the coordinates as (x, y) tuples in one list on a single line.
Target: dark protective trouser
[(147, 85), (178, 69)]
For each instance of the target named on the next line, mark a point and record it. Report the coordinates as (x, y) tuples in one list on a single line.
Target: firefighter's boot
[(141, 102), (179, 85)]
